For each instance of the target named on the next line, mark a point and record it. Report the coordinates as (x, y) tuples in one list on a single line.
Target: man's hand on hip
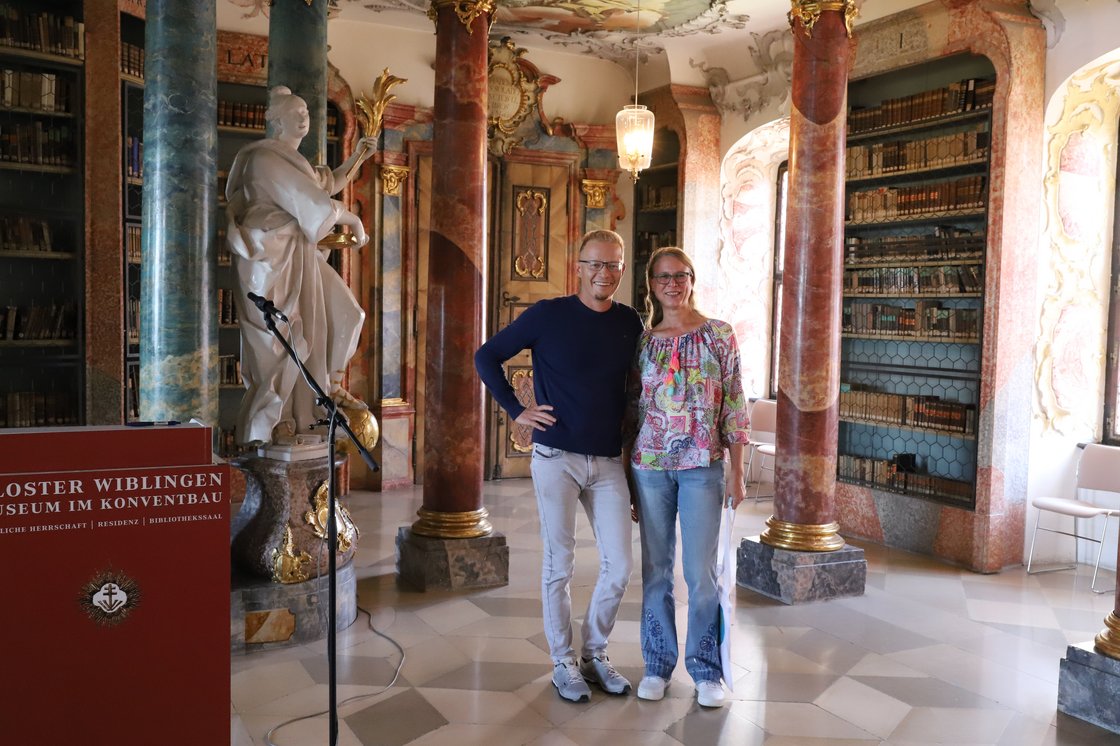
[(537, 417)]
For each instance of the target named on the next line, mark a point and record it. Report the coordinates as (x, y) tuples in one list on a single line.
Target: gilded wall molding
[(809, 12), (1069, 359), (393, 178), (595, 191)]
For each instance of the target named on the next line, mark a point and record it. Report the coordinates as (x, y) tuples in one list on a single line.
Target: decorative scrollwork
[(392, 178), (596, 191), (466, 10)]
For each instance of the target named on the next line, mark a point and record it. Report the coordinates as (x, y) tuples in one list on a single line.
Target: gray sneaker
[(599, 670), (569, 682)]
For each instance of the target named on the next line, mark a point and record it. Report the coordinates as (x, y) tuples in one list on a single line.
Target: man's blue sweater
[(581, 361)]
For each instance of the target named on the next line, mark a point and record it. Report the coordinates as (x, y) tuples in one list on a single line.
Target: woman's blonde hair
[(654, 312)]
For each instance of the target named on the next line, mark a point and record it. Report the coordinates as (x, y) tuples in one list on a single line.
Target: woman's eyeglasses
[(678, 277), (595, 265)]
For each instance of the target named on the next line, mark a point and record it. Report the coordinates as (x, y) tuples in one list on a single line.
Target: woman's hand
[(736, 488)]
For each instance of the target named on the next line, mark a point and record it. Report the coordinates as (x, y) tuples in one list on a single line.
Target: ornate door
[(535, 231)]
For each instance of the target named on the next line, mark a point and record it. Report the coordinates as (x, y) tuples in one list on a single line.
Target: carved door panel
[(530, 263)]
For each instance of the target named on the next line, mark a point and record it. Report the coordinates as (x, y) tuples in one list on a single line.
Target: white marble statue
[(279, 208)]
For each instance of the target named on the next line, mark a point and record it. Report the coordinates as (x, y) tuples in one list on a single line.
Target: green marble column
[(178, 322), (297, 58)]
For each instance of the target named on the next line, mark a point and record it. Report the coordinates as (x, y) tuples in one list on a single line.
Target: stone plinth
[(1089, 686), (277, 534), (424, 563), (799, 577), (264, 615)]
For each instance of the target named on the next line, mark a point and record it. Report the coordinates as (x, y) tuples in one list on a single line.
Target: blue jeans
[(562, 480), (696, 495)]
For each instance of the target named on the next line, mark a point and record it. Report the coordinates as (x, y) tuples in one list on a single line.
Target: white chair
[(764, 419), (1098, 469)]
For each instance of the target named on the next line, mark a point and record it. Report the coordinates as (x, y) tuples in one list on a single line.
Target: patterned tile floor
[(930, 654)]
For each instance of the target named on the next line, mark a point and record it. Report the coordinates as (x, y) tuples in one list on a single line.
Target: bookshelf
[(656, 208), (42, 237), (918, 155), (132, 191)]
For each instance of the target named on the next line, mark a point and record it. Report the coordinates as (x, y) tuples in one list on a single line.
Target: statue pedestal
[(425, 563), (800, 577), (1089, 686), (279, 550)]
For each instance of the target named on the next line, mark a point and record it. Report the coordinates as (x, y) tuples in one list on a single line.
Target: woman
[(690, 414), (279, 209)]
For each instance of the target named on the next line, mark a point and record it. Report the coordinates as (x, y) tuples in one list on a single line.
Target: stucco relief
[(1080, 153), (746, 257), (772, 54)]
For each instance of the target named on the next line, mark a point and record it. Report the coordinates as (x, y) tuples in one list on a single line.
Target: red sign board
[(118, 631)]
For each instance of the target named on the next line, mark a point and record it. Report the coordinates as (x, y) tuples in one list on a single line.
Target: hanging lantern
[(634, 131)]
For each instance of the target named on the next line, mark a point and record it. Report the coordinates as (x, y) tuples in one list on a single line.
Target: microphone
[(265, 306)]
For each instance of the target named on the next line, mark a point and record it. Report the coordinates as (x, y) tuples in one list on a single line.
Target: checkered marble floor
[(929, 654)]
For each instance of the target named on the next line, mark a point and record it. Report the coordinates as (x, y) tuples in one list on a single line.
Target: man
[(583, 346)]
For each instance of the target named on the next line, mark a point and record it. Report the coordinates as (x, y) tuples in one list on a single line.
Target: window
[(1111, 387), (779, 262)]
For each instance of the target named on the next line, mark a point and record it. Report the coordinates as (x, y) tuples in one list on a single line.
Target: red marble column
[(453, 427), (809, 376)]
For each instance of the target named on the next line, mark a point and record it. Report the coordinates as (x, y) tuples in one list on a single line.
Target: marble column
[(787, 561), (297, 58), (452, 515), (178, 323)]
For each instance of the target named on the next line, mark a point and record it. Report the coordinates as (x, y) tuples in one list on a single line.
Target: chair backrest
[(1099, 468), (764, 416)]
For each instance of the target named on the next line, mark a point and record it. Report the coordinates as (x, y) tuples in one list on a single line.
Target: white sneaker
[(652, 688), (709, 694)]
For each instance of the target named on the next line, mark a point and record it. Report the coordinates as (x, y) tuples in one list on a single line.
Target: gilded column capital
[(809, 12), (824, 537), (392, 177), (467, 10), (596, 191)]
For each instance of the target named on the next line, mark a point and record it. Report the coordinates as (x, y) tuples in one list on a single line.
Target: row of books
[(229, 370), (647, 242), (945, 243), (133, 236), (886, 203), (133, 157), (901, 156), (132, 392), (888, 475), (966, 95), (911, 410), (35, 90), (132, 321), (21, 233), (37, 144), (925, 319), (41, 32), (225, 257), (237, 114), (132, 60), (227, 309), (655, 197), (935, 280), (37, 409), (27, 323)]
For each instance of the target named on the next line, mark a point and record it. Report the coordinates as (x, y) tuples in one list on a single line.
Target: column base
[(264, 615), (425, 563), (800, 577), (1089, 686)]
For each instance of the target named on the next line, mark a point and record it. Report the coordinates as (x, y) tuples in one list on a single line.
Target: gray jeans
[(560, 480)]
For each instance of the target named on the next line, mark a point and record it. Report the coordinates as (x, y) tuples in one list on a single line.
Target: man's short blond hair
[(603, 236)]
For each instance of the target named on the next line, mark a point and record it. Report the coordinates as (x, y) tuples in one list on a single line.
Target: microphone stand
[(269, 312)]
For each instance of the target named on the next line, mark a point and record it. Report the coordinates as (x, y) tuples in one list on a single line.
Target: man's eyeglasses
[(678, 277), (595, 265)]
